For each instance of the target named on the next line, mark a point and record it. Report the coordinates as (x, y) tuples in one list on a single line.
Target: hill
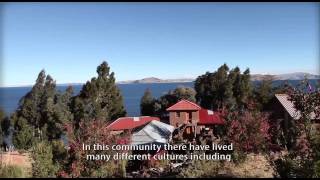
[(254, 77), (289, 76)]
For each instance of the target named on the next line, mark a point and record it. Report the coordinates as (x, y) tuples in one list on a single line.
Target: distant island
[(254, 77), (156, 80)]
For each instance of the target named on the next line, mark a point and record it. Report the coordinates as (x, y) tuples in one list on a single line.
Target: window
[(190, 115), (177, 114)]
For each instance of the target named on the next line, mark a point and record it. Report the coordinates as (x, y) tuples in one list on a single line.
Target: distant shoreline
[(123, 83), (150, 80), (132, 92)]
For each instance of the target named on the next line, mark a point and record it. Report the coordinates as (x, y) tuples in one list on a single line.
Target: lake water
[(132, 93)]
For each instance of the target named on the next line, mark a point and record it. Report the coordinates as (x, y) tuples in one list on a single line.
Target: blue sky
[(165, 40)]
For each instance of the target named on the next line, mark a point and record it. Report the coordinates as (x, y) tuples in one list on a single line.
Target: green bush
[(201, 169), (111, 170), (238, 157), (290, 167), (108, 170), (11, 172), (59, 151), (317, 169), (43, 165)]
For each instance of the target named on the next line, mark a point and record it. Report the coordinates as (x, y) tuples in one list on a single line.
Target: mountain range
[(288, 76), (254, 77)]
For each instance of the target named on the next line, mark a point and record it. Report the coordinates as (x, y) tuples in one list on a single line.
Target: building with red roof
[(194, 117), (129, 123), (208, 117), (183, 113), (184, 105)]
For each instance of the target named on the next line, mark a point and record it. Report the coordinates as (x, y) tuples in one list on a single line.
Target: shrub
[(89, 133), (43, 165), (248, 131), (59, 151), (108, 170), (317, 169), (201, 169), (11, 172), (239, 157)]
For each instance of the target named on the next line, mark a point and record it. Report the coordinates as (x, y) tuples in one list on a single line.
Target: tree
[(203, 85), (29, 116), (211, 88), (41, 113), (185, 93), (230, 92), (29, 109), (58, 113), (236, 88), (264, 92), (219, 85), (147, 104), (23, 136), (162, 103), (245, 89), (99, 98), (224, 88), (48, 120)]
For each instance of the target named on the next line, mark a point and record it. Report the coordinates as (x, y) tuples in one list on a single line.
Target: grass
[(14, 165), (10, 171)]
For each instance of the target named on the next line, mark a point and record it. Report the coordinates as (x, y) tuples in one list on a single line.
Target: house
[(152, 132), (129, 123), (195, 118), (286, 114), (146, 131), (287, 107)]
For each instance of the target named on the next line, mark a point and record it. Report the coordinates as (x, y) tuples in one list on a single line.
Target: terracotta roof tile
[(184, 105), (124, 123), (209, 117)]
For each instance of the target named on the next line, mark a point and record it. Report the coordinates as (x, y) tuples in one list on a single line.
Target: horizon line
[(81, 83)]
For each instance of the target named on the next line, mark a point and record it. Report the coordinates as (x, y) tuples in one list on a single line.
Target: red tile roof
[(184, 105), (124, 123), (207, 117)]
